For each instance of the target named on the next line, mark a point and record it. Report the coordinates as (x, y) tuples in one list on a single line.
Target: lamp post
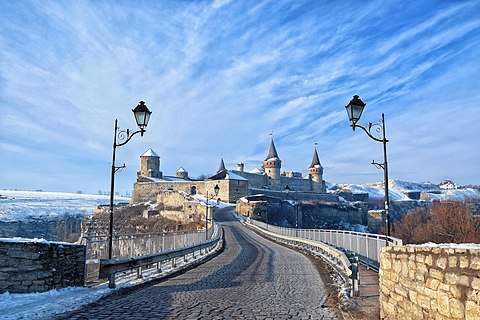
[(354, 111), (120, 138), (216, 189), (287, 190)]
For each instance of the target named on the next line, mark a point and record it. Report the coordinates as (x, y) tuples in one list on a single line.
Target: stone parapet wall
[(40, 266), (430, 282)]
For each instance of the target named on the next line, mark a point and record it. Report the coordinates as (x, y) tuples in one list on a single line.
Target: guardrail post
[(163, 241), (111, 281), (131, 245), (355, 277), (149, 247), (139, 273), (159, 267)]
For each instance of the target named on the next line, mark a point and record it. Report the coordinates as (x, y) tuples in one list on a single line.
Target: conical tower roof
[(315, 161), (272, 153), (150, 153), (222, 166)]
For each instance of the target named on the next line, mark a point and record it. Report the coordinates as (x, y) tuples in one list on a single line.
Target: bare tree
[(453, 222), (442, 222), (411, 228)]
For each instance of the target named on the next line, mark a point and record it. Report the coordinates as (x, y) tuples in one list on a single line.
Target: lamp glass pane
[(348, 108), (147, 118), (354, 111), (140, 118), (357, 111)]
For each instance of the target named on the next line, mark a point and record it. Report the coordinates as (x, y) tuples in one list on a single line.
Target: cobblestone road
[(252, 278)]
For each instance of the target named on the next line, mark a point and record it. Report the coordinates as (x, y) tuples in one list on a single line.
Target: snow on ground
[(27, 205), (46, 304), (399, 188)]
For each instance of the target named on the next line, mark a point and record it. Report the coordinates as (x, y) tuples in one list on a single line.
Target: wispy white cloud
[(220, 75), (414, 32)]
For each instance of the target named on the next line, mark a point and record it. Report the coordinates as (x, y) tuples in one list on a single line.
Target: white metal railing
[(110, 267), (132, 245), (366, 245)]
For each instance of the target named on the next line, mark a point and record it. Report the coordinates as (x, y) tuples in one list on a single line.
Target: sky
[(220, 76)]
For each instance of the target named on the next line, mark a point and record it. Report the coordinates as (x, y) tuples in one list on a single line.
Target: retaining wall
[(28, 266), (436, 282)]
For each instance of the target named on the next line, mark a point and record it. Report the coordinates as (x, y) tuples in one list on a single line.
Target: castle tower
[(150, 164), (272, 163), (316, 170), (182, 173), (221, 167)]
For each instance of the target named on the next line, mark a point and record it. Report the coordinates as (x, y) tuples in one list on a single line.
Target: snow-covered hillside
[(30, 205), (398, 190)]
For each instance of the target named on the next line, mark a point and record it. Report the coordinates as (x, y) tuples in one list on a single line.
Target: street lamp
[(216, 189), (287, 190), (120, 138), (354, 111)]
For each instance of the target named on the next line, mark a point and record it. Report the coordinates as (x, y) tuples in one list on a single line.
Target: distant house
[(448, 185)]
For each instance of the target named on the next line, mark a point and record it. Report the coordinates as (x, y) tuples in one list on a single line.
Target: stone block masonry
[(430, 282), (37, 266)]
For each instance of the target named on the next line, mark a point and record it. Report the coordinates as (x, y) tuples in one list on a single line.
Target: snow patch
[(398, 190), (468, 246), (35, 240), (35, 205)]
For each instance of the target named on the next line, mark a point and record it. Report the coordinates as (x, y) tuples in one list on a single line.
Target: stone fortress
[(233, 184)]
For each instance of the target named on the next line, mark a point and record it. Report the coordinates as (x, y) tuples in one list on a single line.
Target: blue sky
[(219, 76)]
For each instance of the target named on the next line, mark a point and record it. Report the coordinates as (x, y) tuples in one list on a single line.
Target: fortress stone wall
[(148, 191), (230, 190), (419, 282), (301, 196), (299, 184), (255, 180)]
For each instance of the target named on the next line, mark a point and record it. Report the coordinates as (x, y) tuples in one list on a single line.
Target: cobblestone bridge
[(253, 278)]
